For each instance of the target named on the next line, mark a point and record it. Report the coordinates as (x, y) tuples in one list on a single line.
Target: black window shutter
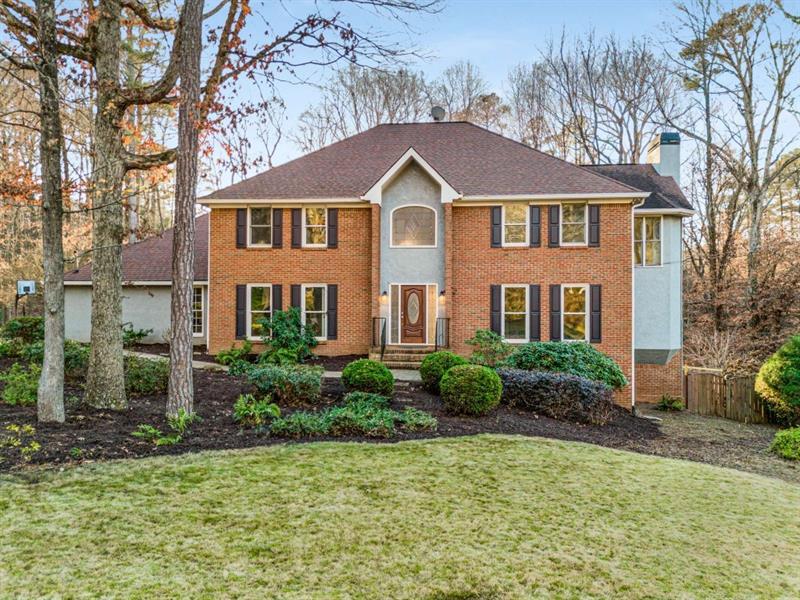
[(333, 301), (297, 228), (241, 312), (241, 227), (555, 312), (497, 226), (594, 225), (553, 224), (277, 297), (535, 309), (496, 303), (333, 227), (277, 227), (536, 226), (595, 317), (295, 299)]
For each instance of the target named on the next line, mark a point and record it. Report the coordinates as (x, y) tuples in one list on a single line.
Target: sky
[(495, 35)]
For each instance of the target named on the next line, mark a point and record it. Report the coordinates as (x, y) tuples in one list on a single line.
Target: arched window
[(414, 226)]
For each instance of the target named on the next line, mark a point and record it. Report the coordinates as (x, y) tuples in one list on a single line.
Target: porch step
[(395, 349), (399, 364)]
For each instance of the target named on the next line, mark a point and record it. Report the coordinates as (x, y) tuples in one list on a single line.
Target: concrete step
[(401, 365), (404, 357), (404, 349)]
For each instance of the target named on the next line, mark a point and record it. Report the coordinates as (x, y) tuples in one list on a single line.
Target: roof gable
[(665, 193)]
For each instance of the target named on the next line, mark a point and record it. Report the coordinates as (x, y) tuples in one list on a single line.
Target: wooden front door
[(412, 311)]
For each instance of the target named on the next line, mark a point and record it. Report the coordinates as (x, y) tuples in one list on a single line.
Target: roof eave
[(681, 212)]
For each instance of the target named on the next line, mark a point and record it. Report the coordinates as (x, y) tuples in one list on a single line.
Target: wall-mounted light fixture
[(441, 297), (384, 297)]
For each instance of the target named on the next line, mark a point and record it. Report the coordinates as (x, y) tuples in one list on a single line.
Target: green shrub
[(787, 443), (575, 358), (25, 329), (365, 375), (435, 365), (179, 425), (9, 348), (234, 354), (778, 382), (300, 423), (488, 348), (367, 398), (287, 341), (289, 384), (76, 356), (21, 384), (21, 438), (470, 389), (250, 412), (146, 377), (131, 336), (362, 417), (557, 395), (417, 420), (669, 403)]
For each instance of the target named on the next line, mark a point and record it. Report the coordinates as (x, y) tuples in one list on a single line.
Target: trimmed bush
[(778, 382), (25, 329), (470, 390), (787, 444), (365, 375), (435, 365), (21, 384), (249, 412), (574, 358), (293, 384), (146, 377), (488, 348), (557, 395)]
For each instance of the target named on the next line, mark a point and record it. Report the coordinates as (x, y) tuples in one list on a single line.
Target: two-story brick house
[(417, 235)]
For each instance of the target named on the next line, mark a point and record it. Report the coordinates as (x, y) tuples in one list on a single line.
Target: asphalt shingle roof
[(664, 191)]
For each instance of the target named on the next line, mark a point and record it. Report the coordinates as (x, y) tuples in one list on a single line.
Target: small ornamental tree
[(778, 382)]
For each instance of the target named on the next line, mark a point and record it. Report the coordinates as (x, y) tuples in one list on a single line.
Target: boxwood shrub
[(778, 382), (786, 443), (291, 384), (365, 375), (435, 365), (470, 389), (145, 376), (574, 358), (557, 395)]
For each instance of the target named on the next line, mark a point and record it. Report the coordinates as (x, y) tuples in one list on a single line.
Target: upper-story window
[(414, 227), (515, 225), (647, 241), (259, 226), (315, 227), (573, 224)]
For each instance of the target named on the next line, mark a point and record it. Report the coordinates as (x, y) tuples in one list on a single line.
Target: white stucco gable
[(375, 194)]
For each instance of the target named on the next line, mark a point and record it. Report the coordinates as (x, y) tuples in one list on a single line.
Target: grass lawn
[(476, 517)]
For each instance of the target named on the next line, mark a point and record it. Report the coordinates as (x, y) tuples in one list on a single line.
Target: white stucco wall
[(144, 307), (658, 295)]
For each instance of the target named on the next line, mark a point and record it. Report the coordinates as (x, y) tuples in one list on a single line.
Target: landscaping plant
[(435, 365), (131, 336), (24, 329), (179, 426), (21, 384), (470, 390), (778, 382), (786, 443), (235, 354), (296, 384), (670, 403), (145, 376), (365, 375), (286, 340), (575, 358), (76, 356), (488, 348), (22, 439), (557, 395), (251, 412)]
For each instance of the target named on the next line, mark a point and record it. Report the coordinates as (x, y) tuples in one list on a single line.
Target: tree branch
[(148, 161)]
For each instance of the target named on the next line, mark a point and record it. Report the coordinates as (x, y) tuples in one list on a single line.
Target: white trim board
[(375, 193)]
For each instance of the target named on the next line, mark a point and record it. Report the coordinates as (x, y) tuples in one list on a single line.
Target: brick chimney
[(664, 153)]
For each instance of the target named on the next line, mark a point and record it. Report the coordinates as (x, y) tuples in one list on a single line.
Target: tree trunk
[(50, 402), (181, 393), (105, 386)]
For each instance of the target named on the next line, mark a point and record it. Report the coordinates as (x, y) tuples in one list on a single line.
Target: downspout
[(636, 204)]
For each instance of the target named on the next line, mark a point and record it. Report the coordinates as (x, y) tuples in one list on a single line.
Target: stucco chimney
[(664, 153)]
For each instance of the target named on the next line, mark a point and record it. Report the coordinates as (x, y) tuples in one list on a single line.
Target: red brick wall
[(653, 381), (476, 266), (349, 266)]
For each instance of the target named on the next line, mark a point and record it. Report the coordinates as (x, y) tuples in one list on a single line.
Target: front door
[(412, 311)]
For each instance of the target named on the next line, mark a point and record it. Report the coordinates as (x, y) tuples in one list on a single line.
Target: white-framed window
[(315, 227), (197, 311), (413, 226), (515, 224), (575, 312), (259, 227), (647, 241), (574, 224), (514, 322), (314, 308), (259, 306)]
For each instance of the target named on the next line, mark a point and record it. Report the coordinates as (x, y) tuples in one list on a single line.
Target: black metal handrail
[(442, 336), (379, 334)]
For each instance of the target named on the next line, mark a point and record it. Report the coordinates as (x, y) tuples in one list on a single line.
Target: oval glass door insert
[(412, 309)]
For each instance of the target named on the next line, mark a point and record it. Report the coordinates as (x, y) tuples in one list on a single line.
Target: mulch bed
[(92, 435)]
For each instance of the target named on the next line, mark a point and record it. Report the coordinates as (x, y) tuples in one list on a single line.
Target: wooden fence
[(708, 392)]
